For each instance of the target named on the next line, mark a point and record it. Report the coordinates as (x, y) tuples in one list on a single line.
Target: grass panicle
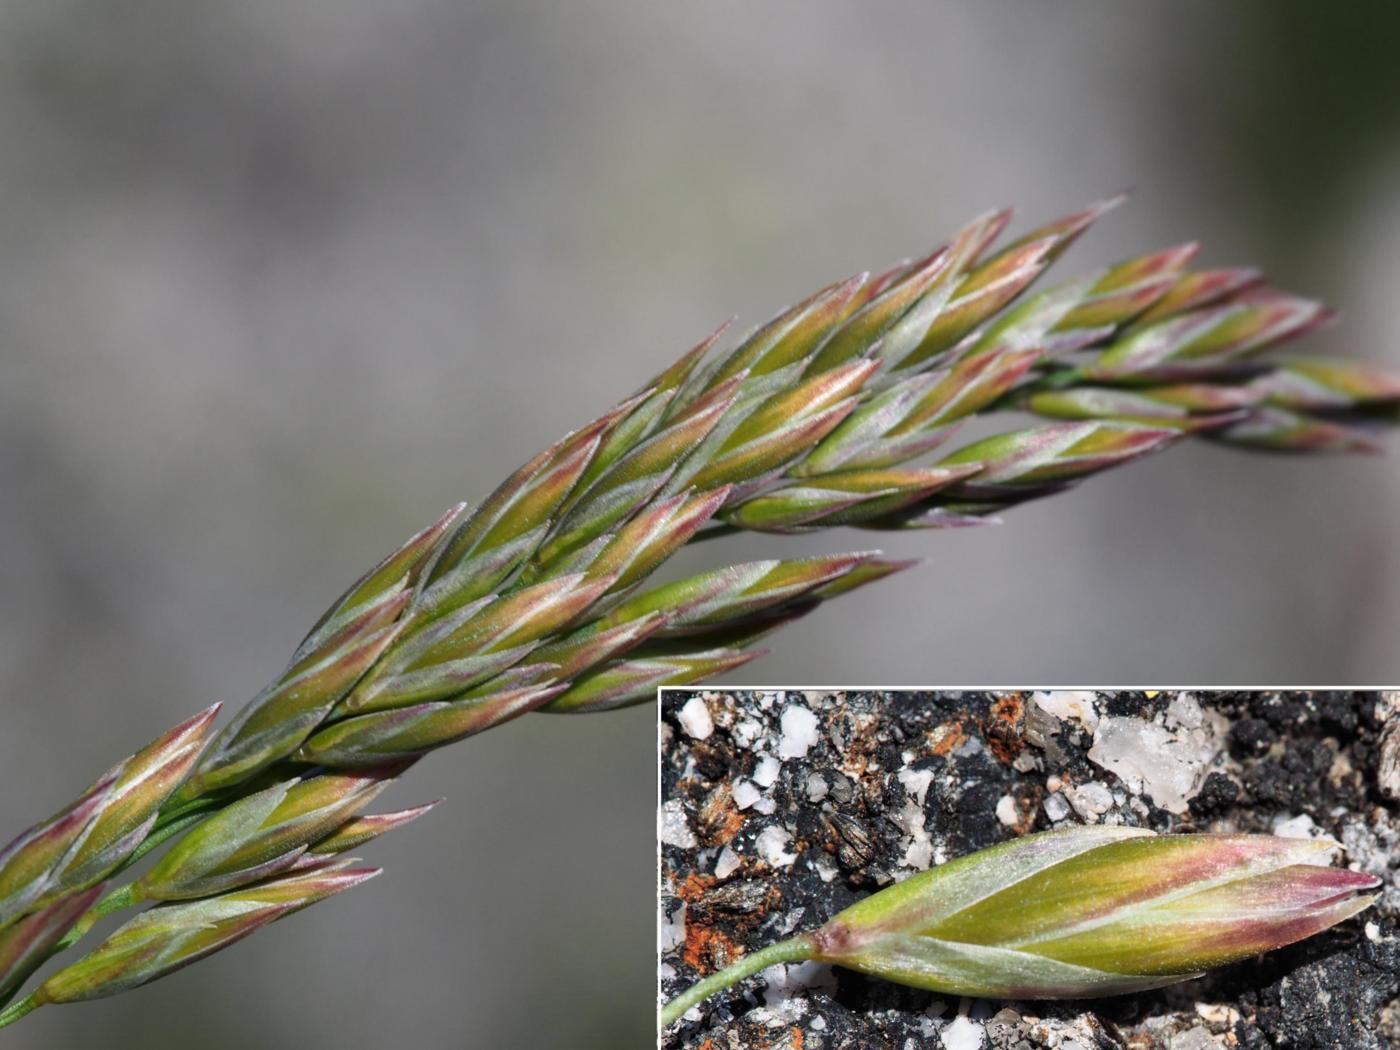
[(844, 410)]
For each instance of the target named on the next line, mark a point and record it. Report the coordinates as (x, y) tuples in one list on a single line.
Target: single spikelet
[(1081, 912), (404, 732), (166, 938), (356, 831), (262, 834), (95, 835), (848, 497), (1044, 460), (344, 643)]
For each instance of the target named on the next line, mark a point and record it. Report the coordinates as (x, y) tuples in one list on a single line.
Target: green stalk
[(120, 898), (794, 949), (13, 1013), (117, 900)]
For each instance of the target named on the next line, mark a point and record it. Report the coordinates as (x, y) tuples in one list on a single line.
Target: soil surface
[(782, 807)]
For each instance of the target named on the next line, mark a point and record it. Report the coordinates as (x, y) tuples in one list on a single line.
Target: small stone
[(916, 782), (772, 845), (1056, 806), (1299, 827), (1167, 766), (1217, 1013), (746, 732), (799, 728), (1007, 812), (765, 774), (1090, 800), (817, 788), (673, 929), (919, 854), (842, 790), (1185, 713), (1197, 1038), (673, 829), (962, 1033), (745, 794), (969, 747), (910, 819), (1303, 827), (1388, 768), (1044, 730), (1026, 762), (695, 719), (727, 864), (1069, 706), (782, 981), (1340, 770)]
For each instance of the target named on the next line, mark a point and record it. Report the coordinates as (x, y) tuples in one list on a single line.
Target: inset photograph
[(1012, 869)]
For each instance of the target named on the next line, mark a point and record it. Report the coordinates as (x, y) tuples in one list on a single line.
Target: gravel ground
[(781, 807)]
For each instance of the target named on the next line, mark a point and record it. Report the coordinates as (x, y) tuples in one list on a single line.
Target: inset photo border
[(780, 808)]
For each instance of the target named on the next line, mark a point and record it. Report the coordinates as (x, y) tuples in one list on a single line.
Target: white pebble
[(1007, 812), (962, 1033), (916, 782), (673, 929), (918, 854), (1185, 712), (695, 719), (1090, 800), (745, 794), (1299, 827), (772, 845), (782, 981), (1026, 761), (1303, 827), (1069, 706), (1197, 1038), (765, 774), (746, 732), (799, 732), (1168, 766), (817, 788), (1056, 807), (727, 864), (672, 828), (1217, 1013)]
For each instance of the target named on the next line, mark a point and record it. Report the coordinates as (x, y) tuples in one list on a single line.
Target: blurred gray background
[(279, 281)]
